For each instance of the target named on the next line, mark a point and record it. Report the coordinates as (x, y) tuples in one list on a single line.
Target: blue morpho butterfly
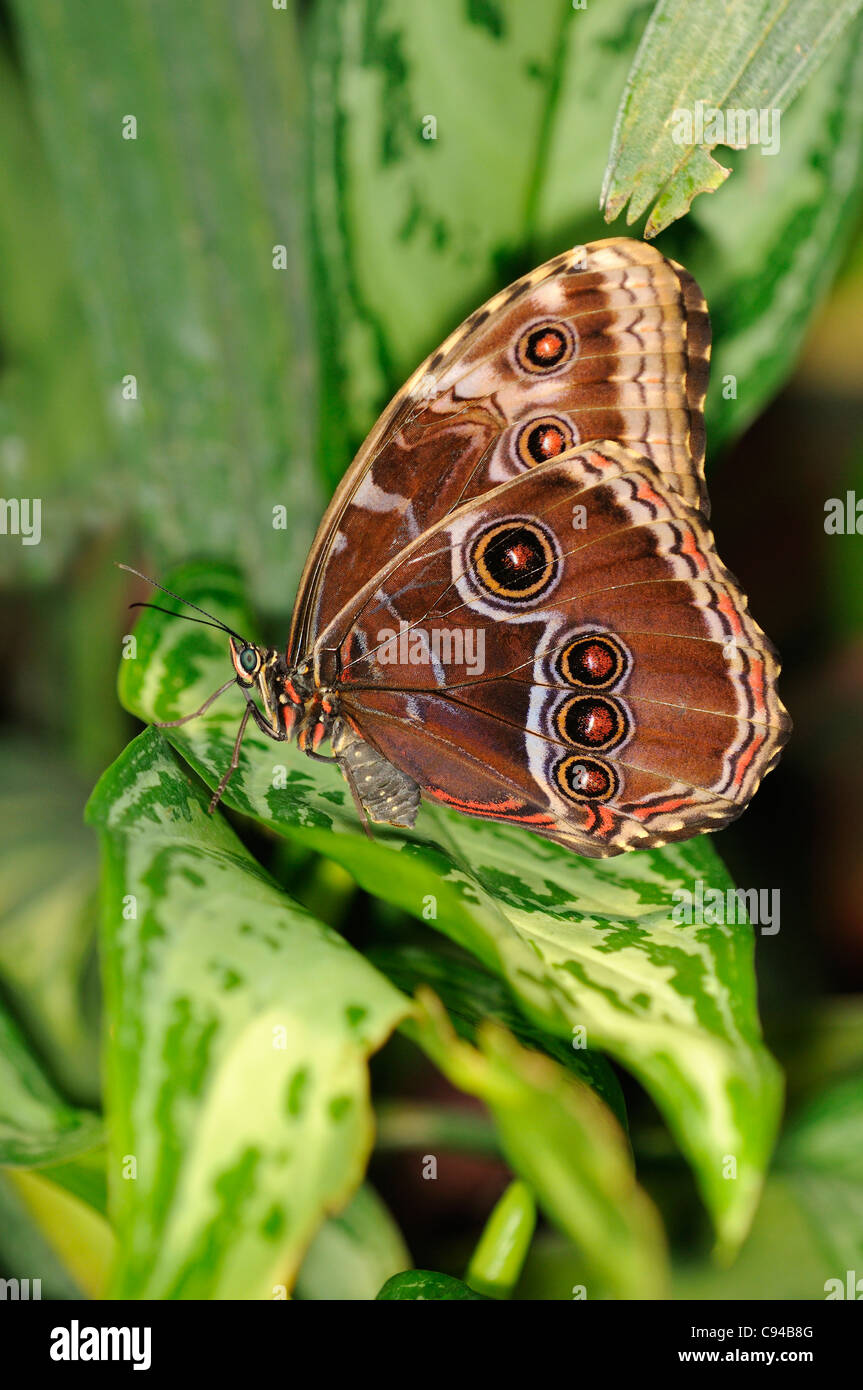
[(514, 605)]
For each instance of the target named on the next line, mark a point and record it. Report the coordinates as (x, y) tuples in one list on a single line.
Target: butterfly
[(514, 606)]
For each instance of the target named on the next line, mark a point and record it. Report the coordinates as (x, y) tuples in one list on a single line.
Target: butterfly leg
[(235, 759), (358, 801), (175, 723)]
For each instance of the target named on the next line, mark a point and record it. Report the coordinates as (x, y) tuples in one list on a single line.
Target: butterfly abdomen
[(388, 795)]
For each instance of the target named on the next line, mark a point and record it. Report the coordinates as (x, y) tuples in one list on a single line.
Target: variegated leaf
[(237, 1080), (36, 1125)]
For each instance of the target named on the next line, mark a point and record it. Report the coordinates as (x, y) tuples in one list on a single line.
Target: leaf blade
[(236, 1069), (755, 56)]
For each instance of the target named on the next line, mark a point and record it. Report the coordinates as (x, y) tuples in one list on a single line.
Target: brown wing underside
[(487, 405), (623, 653)]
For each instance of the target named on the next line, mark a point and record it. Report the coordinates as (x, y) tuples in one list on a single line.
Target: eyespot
[(543, 439), (591, 721), (545, 347), (585, 779), (516, 559), (596, 660), (249, 660)]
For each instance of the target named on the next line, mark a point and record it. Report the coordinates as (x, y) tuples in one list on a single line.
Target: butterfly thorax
[(311, 713)]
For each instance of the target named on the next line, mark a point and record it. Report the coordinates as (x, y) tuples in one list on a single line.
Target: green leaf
[(471, 994), (766, 252), (173, 233), (752, 55), (79, 1235), (36, 1124), (353, 1253), (780, 1259), (425, 1284), (821, 1156), (25, 1253), (240, 1027), (48, 887), (52, 420), (567, 1146), (579, 943)]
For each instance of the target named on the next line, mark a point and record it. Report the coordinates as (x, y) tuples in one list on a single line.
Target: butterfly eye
[(543, 439), (545, 348), (595, 660), (249, 660), (591, 721), (585, 779), (515, 560)]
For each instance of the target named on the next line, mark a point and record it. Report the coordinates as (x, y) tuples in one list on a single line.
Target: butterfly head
[(256, 668), (260, 669)]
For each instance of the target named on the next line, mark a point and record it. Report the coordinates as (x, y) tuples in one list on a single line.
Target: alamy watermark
[(436, 646), (844, 515), (715, 907), (21, 516), (735, 127)]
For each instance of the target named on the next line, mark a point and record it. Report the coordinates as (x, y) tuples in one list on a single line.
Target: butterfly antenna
[(212, 621)]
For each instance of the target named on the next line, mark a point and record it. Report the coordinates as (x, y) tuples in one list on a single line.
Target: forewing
[(608, 341)]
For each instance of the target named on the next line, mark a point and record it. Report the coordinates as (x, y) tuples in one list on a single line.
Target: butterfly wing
[(609, 341), (567, 652)]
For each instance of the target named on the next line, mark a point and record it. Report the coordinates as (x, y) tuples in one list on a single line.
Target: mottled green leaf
[(561, 1139), (237, 1084), (597, 49), (174, 235), (36, 1124), (353, 1253), (696, 57), (48, 911), (424, 1284), (580, 943)]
